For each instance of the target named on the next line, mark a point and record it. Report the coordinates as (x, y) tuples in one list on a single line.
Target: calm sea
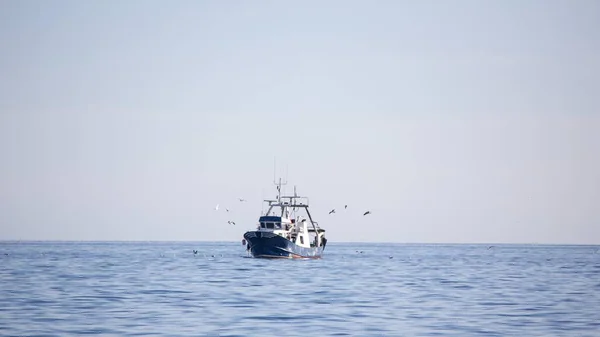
[(163, 289)]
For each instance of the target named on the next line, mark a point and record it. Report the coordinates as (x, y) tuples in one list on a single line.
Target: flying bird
[(332, 211), (227, 209), (367, 212), (345, 206), (241, 199), (231, 222), (217, 207)]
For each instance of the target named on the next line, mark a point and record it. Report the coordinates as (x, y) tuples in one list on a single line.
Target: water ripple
[(163, 289)]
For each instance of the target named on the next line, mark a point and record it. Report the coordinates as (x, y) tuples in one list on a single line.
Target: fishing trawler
[(284, 232)]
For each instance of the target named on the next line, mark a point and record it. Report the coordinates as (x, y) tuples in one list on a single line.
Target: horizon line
[(335, 242)]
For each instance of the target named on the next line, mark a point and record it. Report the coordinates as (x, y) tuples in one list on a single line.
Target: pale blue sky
[(452, 121)]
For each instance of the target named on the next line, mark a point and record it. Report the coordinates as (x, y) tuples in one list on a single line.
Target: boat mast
[(278, 191), (310, 218)]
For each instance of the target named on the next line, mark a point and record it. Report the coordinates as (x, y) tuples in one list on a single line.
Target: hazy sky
[(452, 121)]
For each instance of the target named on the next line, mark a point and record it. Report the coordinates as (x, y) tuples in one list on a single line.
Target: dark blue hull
[(269, 245)]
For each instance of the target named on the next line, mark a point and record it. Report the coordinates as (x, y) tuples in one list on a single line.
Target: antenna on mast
[(279, 182)]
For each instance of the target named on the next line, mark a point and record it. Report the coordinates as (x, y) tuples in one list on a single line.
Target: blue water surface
[(163, 289)]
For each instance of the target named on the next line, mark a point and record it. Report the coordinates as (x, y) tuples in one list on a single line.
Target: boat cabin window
[(270, 225), (301, 239)]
